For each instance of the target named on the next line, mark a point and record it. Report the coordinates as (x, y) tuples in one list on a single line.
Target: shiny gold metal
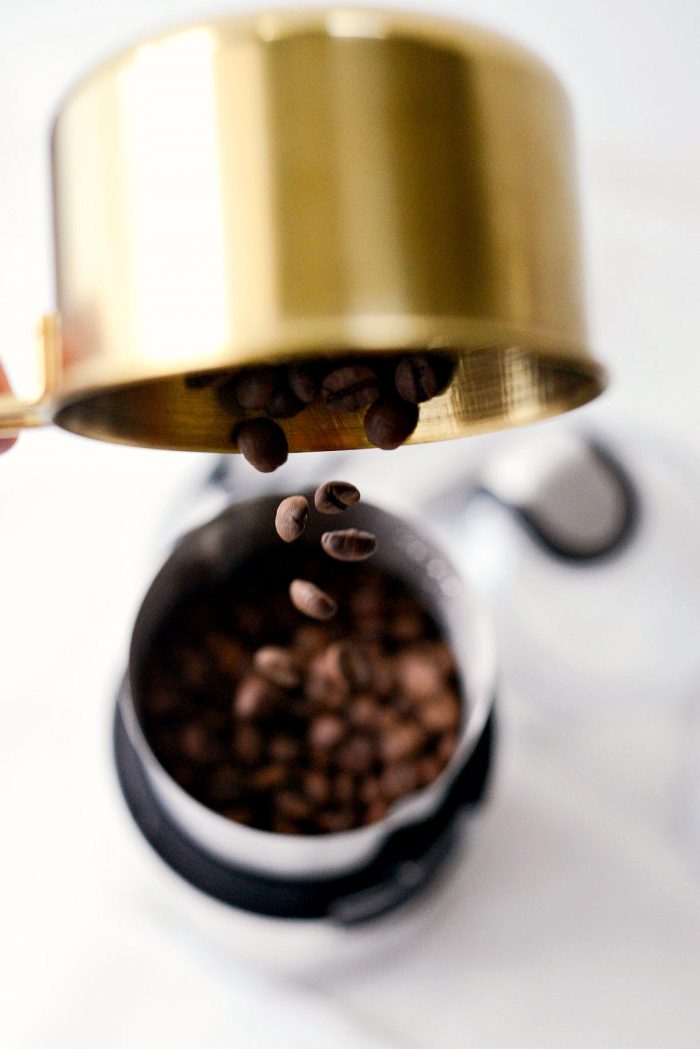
[(327, 182)]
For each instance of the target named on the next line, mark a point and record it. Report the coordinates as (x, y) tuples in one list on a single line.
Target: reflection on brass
[(333, 182)]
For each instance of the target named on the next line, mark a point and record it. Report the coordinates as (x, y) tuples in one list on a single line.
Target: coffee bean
[(267, 777), (325, 731), (291, 517), (283, 402), (389, 422), (282, 825), (428, 770), (343, 788), (262, 443), (239, 814), (162, 700), (256, 697), (348, 666), (304, 378), (407, 626), (229, 655), (316, 787), (195, 744), (370, 789), (421, 376), (292, 805), (334, 497), (310, 639), (223, 784), (399, 780), (440, 713), (255, 386), (277, 665), (402, 741), (336, 821), (322, 687), (284, 749), (375, 812), (418, 674), (357, 755), (248, 744), (447, 744), (363, 711), (311, 600), (350, 387), (193, 668), (349, 544)]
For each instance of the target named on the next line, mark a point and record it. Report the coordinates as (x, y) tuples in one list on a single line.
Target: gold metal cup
[(290, 185)]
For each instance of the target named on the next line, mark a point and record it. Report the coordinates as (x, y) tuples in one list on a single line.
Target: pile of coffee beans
[(388, 389), (297, 726)]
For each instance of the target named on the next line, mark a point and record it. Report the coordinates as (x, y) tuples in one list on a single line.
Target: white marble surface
[(575, 919)]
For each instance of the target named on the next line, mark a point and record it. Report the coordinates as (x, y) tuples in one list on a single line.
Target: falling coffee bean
[(311, 600), (389, 422), (262, 443), (291, 517), (349, 544), (334, 497), (350, 387), (278, 665)]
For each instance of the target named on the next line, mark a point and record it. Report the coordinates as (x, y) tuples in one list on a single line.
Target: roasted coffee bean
[(162, 700), (284, 749), (193, 668), (326, 731), (350, 387), (428, 769), (255, 386), (239, 814), (292, 805), (321, 687), (447, 745), (336, 821), (334, 497), (283, 403), (223, 784), (229, 655), (420, 376), (407, 626), (304, 378), (399, 779), (310, 639), (247, 744), (370, 789), (389, 422), (363, 711), (440, 713), (375, 812), (356, 755), (343, 788), (349, 544), (282, 825), (311, 600), (316, 787), (268, 777), (348, 665), (291, 517), (262, 443), (402, 741), (256, 697), (278, 665), (195, 743), (418, 674)]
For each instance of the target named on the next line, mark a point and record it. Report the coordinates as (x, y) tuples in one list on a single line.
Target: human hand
[(5, 442)]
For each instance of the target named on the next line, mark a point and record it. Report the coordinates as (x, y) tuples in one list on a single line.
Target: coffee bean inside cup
[(298, 726)]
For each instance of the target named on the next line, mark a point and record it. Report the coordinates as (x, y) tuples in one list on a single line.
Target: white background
[(576, 920)]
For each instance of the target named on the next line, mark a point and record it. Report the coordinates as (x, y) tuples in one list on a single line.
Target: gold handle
[(17, 413)]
